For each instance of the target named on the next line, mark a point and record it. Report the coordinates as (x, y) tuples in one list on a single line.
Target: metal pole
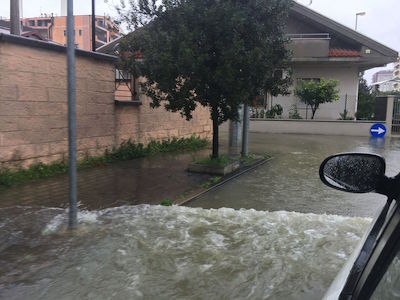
[(246, 123), (356, 22), (93, 26), (357, 15), (235, 135), (71, 117), (15, 22)]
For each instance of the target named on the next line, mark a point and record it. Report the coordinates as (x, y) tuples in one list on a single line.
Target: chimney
[(63, 8)]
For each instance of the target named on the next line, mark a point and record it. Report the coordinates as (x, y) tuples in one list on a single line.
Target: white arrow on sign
[(379, 130)]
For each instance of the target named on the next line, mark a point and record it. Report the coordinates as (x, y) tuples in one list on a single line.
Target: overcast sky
[(381, 22)]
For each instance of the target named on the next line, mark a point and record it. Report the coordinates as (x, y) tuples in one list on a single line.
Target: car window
[(389, 286)]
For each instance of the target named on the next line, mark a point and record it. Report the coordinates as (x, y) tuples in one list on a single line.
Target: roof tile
[(339, 52)]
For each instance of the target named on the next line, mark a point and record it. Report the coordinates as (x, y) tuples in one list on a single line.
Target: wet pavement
[(145, 180), (290, 181)]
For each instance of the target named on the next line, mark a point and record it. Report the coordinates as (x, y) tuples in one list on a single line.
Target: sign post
[(378, 130)]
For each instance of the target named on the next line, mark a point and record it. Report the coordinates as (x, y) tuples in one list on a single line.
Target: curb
[(228, 178)]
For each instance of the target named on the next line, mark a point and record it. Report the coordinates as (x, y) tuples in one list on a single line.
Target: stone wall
[(144, 123), (313, 127), (33, 108)]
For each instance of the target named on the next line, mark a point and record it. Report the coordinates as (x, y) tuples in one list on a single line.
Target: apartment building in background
[(54, 28), (385, 77), (396, 75)]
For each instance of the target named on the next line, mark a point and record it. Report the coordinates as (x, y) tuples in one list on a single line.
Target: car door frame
[(386, 248)]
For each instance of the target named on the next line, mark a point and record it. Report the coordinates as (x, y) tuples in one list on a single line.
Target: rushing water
[(154, 252), (290, 181)]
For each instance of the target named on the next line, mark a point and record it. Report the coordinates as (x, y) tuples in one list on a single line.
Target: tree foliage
[(314, 93), (212, 53), (366, 101)]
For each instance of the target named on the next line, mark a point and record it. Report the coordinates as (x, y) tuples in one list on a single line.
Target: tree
[(366, 101), (314, 93), (217, 54)]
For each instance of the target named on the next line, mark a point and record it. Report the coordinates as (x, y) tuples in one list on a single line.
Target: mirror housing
[(353, 172)]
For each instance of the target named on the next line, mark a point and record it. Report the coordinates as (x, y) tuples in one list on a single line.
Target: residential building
[(25, 30), (54, 28), (396, 75), (321, 48), (383, 79)]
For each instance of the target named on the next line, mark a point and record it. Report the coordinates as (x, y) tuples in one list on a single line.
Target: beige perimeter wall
[(33, 109), (316, 127)]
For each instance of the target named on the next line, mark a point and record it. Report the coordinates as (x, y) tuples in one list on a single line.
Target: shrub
[(126, 151)]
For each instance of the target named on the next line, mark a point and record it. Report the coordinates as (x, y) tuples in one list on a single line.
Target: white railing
[(323, 36)]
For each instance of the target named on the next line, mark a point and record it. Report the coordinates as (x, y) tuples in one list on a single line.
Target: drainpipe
[(93, 26), (15, 21)]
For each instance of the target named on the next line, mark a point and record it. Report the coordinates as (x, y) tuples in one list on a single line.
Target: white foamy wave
[(190, 253), (61, 221)]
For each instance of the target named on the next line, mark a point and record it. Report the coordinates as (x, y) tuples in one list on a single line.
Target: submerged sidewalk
[(146, 180)]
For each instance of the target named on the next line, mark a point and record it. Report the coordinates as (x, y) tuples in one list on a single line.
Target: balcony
[(310, 45)]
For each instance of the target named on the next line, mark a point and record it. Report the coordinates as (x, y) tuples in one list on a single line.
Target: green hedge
[(126, 151)]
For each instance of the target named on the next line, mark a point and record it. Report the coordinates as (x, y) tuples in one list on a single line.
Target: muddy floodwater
[(274, 233), (155, 252), (290, 181)]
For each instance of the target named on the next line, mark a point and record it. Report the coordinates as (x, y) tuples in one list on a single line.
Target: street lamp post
[(359, 14), (73, 210)]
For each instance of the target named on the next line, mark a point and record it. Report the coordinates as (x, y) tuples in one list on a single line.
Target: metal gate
[(396, 116)]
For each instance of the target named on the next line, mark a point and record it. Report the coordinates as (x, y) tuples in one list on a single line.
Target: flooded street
[(139, 181), (273, 233), (290, 181), (155, 252)]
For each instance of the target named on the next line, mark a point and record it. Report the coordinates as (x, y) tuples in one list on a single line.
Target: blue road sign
[(378, 130)]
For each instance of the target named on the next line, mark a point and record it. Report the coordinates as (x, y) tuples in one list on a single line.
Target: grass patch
[(166, 202), (221, 161), (126, 151), (210, 182)]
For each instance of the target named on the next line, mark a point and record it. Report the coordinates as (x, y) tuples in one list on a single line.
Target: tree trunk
[(215, 135), (314, 110)]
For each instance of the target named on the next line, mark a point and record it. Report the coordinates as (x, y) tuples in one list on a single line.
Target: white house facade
[(323, 48)]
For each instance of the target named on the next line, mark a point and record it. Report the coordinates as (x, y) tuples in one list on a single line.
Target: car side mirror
[(353, 172)]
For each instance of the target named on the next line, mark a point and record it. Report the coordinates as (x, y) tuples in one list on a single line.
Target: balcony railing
[(308, 36), (309, 45)]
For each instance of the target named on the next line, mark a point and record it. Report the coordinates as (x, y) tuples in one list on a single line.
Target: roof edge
[(20, 40), (336, 26)]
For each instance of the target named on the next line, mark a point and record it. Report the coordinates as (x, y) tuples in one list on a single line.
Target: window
[(124, 81), (389, 286), (40, 23), (100, 23), (80, 32), (122, 75), (65, 32), (31, 22)]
